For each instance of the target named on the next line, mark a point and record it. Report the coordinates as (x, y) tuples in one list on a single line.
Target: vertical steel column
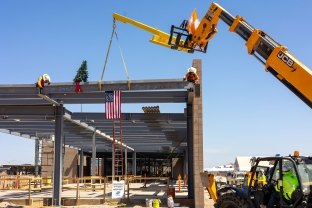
[(126, 161), (93, 160), (58, 161), (171, 167), (37, 157), (154, 168), (185, 163), (134, 163), (113, 165), (149, 165), (81, 156), (190, 153)]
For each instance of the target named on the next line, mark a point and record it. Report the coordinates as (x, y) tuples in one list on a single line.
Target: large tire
[(309, 205), (230, 200)]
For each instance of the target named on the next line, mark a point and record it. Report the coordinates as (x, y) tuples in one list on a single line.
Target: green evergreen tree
[(82, 73)]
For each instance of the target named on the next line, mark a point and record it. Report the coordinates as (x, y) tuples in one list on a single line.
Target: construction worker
[(191, 75), (261, 178), (290, 184), (156, 203), (44, 79)]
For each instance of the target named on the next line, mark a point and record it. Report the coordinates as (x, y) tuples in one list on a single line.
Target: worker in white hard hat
[(191, 75), (42, 80)]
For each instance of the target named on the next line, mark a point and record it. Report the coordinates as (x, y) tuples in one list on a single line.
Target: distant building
[(24, 169), (3, 170), (221, 168), (242, 163)]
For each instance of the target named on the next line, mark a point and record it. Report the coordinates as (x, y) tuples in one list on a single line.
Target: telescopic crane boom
[(191, 36), (159, 37), (276, 58)]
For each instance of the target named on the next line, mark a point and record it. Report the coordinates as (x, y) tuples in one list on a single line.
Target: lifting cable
[(121, 54), (123, 62)]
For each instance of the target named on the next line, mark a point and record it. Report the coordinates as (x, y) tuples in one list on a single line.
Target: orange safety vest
[(191, 77), (40, 82)]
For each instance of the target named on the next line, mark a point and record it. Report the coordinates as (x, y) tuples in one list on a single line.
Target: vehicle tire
[(304, 205), (230, 200)]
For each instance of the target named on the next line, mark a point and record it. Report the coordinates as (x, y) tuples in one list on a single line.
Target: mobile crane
[(193, 36)]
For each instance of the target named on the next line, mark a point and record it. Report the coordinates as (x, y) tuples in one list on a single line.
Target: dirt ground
[(208, 204)]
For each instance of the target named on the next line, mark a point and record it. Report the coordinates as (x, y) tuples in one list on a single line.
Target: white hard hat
[(192, 69), (46, 78)]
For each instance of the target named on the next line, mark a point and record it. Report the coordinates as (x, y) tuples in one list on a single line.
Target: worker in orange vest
[(42, 80), (191, 76)]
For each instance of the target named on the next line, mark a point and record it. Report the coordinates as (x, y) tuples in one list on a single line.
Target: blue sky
[(247, 111)]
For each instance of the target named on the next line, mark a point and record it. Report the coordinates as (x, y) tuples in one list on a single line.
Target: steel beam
[(127, 97), (31, 111), (133, 117), (69, 87)]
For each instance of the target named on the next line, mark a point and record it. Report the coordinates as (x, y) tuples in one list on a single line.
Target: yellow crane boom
[(159, 37)]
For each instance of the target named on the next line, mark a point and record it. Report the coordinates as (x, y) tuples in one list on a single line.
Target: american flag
[(113, 104)]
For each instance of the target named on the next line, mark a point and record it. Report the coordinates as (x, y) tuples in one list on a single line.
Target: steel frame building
[(27, 113)]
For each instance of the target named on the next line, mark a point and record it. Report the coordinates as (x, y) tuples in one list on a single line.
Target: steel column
[(113, 165), (81, 156), (126, 161), (37, 157), (134, 163), (93, 161), (58, 162), (190, 152), (185, 163)]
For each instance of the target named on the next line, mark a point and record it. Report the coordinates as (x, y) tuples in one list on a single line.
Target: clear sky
[(247, 112)]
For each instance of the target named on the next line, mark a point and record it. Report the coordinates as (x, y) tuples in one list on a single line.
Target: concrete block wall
[(198, 138), (47, 156), (71, 162)]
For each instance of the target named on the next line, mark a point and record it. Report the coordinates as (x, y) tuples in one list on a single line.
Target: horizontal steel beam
[(126, 97), (69, 87), (12, 110), (133, 117)]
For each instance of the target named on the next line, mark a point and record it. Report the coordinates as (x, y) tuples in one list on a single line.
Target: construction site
[(114, 158)]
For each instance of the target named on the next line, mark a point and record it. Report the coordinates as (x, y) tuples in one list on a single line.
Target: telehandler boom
[(276, 57)]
